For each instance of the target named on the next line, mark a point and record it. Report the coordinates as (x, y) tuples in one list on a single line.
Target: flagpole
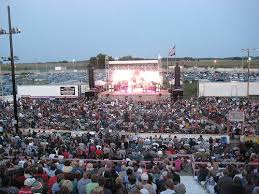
[(167, 66)]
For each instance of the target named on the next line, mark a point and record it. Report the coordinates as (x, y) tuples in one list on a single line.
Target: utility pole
[(248, 50), (13, 70), (1, 82), (10, 32)]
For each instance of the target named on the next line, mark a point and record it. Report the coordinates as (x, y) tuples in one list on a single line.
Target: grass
[(190, 89)]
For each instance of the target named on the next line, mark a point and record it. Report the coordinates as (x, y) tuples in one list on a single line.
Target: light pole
[(1, 82), (248, 50), (11, 58), (97, 62)]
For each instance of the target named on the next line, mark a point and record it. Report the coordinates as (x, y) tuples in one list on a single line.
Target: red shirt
[(65, 154), (25, 190), (99, 152), (51, 182), (92, 148)]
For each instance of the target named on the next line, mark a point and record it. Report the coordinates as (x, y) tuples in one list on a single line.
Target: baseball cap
[(144, 177)]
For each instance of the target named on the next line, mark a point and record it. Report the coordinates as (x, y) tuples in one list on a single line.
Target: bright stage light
[(121, 75), (137, 76), (151, 76)]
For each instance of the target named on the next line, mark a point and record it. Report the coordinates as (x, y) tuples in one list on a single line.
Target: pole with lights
[(11, 59), (248, 50)]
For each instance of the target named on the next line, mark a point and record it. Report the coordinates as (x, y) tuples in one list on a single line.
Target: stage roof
[(133, 62)]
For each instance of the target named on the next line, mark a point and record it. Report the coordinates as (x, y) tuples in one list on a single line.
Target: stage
[(136, 95)]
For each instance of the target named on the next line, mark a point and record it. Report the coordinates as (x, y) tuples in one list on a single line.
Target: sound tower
[(91, 77), (176, 89), (177, 79)]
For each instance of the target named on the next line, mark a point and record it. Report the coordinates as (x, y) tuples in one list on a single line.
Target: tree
[(99, 61), (126, 58)]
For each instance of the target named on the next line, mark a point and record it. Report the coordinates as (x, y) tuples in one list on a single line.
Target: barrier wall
[(48, 91), (228, 89)]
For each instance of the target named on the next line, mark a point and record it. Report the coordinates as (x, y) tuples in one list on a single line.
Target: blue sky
[(54, 30)]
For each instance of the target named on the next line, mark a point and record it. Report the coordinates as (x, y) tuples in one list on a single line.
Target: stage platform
[(135, 96)]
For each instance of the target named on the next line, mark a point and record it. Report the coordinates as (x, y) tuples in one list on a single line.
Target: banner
[(236, 115), (67, 91)]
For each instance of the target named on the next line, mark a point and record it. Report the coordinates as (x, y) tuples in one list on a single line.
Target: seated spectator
[(202, 174), (180, 188), (169, 187)]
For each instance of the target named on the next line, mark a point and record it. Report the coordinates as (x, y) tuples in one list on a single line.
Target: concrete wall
[(222, 89), (46, 91)]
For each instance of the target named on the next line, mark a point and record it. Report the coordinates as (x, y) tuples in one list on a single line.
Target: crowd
[(105, 158), (185, 116), (232, 180), (49, 162)]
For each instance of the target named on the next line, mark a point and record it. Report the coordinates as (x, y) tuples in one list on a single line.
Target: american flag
[(172, 51)]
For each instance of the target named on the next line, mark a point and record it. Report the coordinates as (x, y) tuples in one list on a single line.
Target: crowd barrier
[(194, 163)]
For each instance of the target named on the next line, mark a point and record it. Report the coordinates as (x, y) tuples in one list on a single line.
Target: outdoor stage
[(135, 96)]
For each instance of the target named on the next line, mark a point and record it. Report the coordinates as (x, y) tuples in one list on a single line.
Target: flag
[(172, 51)]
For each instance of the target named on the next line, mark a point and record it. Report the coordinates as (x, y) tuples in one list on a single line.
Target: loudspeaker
[(90, 95), (177, 75), (91, 77)]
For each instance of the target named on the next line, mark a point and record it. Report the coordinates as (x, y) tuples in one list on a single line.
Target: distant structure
[(91, 93), (176, 89), (91, 76)]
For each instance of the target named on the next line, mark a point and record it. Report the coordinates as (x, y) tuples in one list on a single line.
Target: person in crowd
[(120, 188), (101, 182), (7, 188), (180, 188), (146, 184), (131, 186), (56, 186), (169, 187), (237, 186), (81, 185), (225, 183), (92, 185), (67, 187)]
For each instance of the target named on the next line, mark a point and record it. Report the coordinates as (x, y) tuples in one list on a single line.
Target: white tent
[(99, 83)]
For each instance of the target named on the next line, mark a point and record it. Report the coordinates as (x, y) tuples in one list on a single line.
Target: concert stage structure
[(135, 96), (136, 80)]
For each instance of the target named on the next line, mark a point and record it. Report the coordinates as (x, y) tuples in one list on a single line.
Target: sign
[(236, 115), (67, 91)]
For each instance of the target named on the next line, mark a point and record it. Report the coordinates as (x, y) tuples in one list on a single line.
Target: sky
[(54, 30)]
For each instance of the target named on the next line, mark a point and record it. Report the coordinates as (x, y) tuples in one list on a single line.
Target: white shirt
[(168, 191)]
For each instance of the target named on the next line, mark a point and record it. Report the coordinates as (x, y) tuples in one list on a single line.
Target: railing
[(190, 156)]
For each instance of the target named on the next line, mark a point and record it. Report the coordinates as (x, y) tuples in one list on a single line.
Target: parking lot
[(81, 77)]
